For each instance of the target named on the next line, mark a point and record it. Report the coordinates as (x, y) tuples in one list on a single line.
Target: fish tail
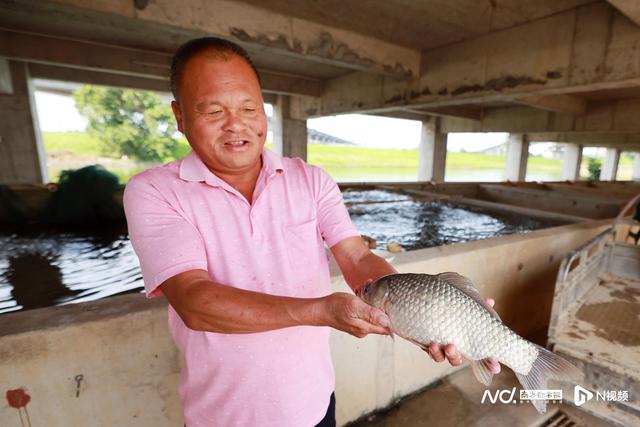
[(547, 365)]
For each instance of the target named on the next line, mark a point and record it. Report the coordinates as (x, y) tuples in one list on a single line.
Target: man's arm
[(208, 306)]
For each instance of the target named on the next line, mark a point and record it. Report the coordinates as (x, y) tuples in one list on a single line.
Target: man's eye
[(213, 113)]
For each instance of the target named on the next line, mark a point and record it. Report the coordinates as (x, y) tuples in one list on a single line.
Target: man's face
[(221, 112)]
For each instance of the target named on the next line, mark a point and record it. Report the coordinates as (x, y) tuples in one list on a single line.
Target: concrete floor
[(456, 402)]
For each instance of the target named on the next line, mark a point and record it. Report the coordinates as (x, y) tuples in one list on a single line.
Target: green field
[(345, 163)]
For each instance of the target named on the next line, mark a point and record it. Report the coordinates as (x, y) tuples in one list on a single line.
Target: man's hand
[(439, 352), (350, 314)]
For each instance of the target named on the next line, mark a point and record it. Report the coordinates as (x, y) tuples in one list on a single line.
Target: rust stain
[(613, 321), (394, 99), (325, 46), (279, 41), (553, 75), (498, 84), (629, 294), (467, 88), (415, 94), (443, 91), (576, 336)]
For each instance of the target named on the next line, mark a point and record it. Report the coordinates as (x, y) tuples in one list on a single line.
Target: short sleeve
[(164, 240), (332, 215)]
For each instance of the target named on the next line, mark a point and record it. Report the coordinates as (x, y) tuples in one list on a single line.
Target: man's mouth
[(237, 143)]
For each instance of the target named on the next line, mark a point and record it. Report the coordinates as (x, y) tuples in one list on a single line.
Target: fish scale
[(447, 309)]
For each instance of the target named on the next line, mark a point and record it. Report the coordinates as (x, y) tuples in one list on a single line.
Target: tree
[(129, 122), (594, 167)]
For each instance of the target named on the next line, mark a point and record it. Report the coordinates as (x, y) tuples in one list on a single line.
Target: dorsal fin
[(465, 286)]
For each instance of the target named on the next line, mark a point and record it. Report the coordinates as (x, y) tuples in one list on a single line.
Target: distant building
[(317, 137)]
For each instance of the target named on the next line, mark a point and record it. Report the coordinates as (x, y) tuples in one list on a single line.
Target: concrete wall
[(129, 365)]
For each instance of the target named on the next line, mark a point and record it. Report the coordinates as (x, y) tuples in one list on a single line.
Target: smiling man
[(233, 236)]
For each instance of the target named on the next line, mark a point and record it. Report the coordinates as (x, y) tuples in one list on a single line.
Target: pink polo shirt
[(183, 217)]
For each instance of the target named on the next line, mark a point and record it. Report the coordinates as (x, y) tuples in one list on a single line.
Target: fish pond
[(45, 266)]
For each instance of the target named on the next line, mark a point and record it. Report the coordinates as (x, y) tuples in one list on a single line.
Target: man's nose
[(233, 123)]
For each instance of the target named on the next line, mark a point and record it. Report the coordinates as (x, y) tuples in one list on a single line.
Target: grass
[(344, 163), (78, 143)]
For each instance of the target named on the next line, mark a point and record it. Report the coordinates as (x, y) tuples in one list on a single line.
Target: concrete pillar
[(610, 165), (635, 173), (517, 155), (22, 156), (432, 151), (276, 124), (289, 134), (572, 161)]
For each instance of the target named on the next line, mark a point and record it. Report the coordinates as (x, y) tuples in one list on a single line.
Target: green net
[(85, 195)]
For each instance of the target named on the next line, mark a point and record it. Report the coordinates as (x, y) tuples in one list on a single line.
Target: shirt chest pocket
[(301, 241)]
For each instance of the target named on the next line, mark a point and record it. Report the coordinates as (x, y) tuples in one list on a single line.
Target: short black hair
[(217, 46)]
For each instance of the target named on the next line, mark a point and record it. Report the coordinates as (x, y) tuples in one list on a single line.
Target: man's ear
[(177, 112)]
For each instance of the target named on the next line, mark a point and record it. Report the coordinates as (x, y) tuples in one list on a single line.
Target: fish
[(446, 308)]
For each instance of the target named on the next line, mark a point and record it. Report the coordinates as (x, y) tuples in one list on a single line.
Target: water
[(41, 267), (424, 224), (44, 267)]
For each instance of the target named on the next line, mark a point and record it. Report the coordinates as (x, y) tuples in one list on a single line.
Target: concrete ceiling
[(544, 66), (422, 24)]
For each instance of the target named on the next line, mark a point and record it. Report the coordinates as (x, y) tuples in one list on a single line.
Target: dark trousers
[(329, 419)]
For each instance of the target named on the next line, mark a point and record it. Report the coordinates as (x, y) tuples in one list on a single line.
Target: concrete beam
[(610, 165), (618, 116), (588, 139), (571, 162), (635, 173), (53, 72), (22, 156), (267, 31), (121, 66), (630, 8), (589, 48), (517, 155), (564, 104), (462, 111), (432, 151)]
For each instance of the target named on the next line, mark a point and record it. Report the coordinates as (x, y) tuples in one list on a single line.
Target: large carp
[(446, 308)]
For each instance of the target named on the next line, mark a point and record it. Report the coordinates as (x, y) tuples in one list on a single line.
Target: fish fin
[(482, 372), (546, 366), (464, 285)]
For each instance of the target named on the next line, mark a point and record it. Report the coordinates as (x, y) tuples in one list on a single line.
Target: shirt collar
[(193, 169)]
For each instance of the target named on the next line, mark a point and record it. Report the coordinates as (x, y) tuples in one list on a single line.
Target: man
[(232, 235)]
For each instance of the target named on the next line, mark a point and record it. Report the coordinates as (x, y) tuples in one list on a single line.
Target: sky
[(57, 113)]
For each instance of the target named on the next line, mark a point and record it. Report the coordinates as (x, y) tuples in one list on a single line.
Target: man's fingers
[(452, 354), (435, 350), (364, 327), (493, 365)]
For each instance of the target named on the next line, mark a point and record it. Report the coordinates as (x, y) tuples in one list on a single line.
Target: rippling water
[(41, 267), (424, 224)]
